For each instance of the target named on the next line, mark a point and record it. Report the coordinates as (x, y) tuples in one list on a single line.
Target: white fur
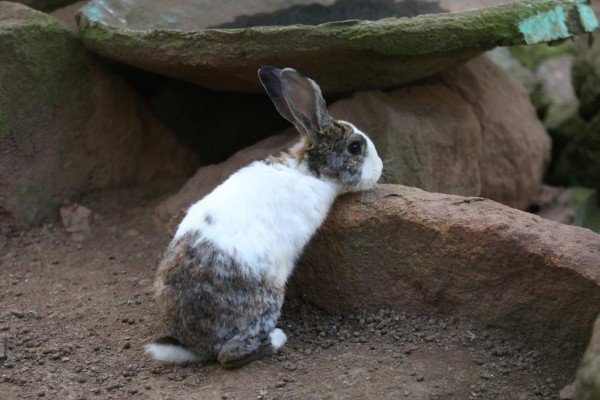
[(264, 215), (278, 338), (371, 168), (169, 353)]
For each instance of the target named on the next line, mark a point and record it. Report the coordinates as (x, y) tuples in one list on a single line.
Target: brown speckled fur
[(329, 156), (212, 309)]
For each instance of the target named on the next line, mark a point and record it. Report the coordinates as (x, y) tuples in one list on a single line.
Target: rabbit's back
[(262, 217)]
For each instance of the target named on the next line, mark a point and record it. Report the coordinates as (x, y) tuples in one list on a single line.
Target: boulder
[(404, 248), (587, 383), (221, 44), (472, 132), (67, 125), (515, 147)]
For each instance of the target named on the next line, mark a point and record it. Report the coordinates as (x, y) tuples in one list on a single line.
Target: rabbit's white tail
[(170, 350)]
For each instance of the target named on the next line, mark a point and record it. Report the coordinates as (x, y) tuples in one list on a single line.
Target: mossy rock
[(186, 39), (67, 126)]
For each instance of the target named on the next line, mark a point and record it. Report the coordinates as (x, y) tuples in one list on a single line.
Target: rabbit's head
[(332, 150)]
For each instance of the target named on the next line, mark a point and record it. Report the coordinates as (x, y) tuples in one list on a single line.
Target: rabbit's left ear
[(306, 104), (270, 78)]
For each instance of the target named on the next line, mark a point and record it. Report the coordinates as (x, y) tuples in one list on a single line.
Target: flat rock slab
[(404, 248), (221, 44)]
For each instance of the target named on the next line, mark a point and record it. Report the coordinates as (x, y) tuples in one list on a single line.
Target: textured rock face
[(360, 55), (587, 385), (515, 147), (404, 248), (471, 132), (66, 124)]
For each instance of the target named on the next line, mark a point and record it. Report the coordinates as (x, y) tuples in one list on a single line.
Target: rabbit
[(222, 279)]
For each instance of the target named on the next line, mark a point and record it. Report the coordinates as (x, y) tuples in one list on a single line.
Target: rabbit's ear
[(270, 78), (306, 104)]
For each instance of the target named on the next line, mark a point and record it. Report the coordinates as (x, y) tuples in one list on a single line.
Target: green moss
[(45, 68), (46, 57), (532, 56), (94, 34), (427, 34)]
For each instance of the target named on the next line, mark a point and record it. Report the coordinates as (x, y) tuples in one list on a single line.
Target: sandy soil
[(75, 314)]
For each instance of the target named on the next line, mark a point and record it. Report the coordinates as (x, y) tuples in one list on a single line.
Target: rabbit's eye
[(355, 148)]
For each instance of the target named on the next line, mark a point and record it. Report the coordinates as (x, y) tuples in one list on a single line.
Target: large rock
[(403, 248), (194, 40), (515, 147), (471, 132), (587, 385), (67, 125)]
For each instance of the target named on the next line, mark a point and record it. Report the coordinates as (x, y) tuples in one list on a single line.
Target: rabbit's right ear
[(270, 78), (298, 99)]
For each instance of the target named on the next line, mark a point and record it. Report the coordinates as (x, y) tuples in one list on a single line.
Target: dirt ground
[(75, 314)]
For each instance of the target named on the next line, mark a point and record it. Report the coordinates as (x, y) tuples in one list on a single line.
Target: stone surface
[(587, 384), (75, 218), (513, 67), (471, 132), (360, 54), (404, 248), (515, 147), (67, 125)]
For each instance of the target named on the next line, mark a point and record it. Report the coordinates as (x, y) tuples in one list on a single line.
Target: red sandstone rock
[(403, 248)]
